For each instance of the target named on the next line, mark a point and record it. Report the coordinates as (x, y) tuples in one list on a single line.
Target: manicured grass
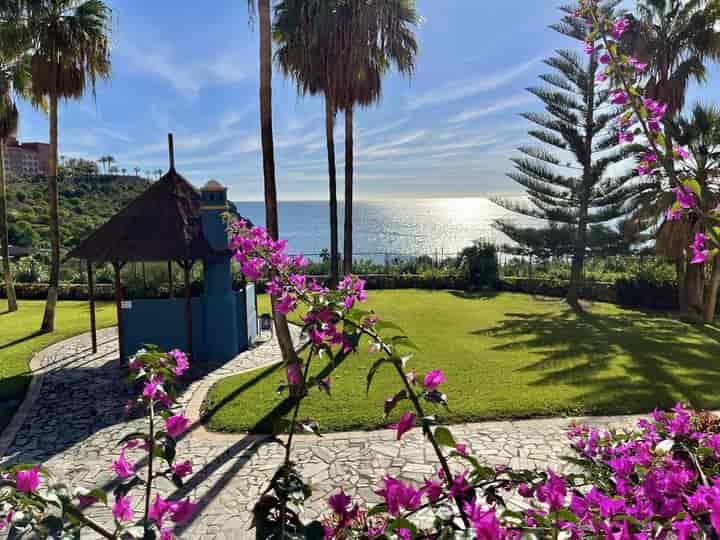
[(19, 339), (505, 355)]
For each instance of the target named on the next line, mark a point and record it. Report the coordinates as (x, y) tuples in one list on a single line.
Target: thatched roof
[(162, 224), (673, 238)]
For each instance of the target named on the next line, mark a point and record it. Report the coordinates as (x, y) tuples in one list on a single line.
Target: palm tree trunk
[(711, 292), (694, 285), (48, 323), (271, 213), (348, 230), (332, 175), (4, 240)]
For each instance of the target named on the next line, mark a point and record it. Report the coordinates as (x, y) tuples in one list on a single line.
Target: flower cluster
[(642, 116), (658, 481)]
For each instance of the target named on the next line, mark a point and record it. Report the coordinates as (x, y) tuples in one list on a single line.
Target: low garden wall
[(626, 292)]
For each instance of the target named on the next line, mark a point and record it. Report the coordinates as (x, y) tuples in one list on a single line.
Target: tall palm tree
[(676, 38), (372, 35), (13, 81), (268, 151), (70, 49), (303, 31)]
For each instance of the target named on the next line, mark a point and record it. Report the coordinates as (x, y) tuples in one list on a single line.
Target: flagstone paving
[(73, 419)]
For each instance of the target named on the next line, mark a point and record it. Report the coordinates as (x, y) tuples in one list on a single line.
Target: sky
[(450, 131)]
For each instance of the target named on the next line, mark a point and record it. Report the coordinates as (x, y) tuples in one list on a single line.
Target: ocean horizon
[(407, 227)]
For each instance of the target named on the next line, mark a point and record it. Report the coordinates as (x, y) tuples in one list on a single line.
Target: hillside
[(85, 203)]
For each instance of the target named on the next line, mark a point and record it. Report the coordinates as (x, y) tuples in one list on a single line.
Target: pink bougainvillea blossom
[(27, 481), (183, 469), (122, 509), (434, 379), (406, 423), (176, 425), (122, 467), (182, 511)]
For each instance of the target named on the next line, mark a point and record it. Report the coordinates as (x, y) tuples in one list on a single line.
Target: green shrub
[(479, 265)]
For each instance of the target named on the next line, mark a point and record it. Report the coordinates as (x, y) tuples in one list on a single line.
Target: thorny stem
[(411, 394), (151, 452), (288, 445), (90, 523)]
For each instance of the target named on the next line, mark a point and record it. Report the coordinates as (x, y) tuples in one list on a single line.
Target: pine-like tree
[(575, 182)]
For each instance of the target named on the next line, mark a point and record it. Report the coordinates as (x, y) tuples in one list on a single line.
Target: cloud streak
[(458, 90), (474, 114)]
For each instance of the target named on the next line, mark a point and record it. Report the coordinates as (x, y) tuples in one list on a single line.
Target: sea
[(438, 227)]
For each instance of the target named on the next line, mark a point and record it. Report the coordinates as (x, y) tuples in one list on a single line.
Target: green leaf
[(444, 437), (381, 508), (133, 436), (401, 523), (404, 341), (373, 370), (694, 185), (387, 325), (314, 531)]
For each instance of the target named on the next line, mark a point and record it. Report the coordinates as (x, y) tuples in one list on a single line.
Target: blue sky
[(179, 66)]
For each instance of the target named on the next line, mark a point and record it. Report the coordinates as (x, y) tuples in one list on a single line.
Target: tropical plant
[(577, 121), (13, 82), (369, 37), (70, 49), (675, 39), (268, 152), (303, 31)]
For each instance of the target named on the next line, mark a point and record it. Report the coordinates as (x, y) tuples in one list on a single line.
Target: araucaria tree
[(70, 50), (572, 182)]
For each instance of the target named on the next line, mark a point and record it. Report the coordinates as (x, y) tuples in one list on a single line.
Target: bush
[(479, 265), (645, 291)]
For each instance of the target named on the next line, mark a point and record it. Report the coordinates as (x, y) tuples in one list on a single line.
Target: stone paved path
[(76, 420)]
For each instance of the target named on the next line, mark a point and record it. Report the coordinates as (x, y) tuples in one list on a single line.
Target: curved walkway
[(73, 419)]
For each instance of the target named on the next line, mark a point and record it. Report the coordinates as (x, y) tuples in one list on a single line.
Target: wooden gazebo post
[(187, 267), (117, 266), (91, 298)]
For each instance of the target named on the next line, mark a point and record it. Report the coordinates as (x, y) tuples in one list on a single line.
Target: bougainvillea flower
[(182, 511), (434, 379), (620, 26), (122, 467), (339, 502), (685, 197), (620, 97), (122, 509), (294, 374), (399, 496), (183, 469), (158, 509), (28, 481), (181, 362), (176, 425), (406, 423)]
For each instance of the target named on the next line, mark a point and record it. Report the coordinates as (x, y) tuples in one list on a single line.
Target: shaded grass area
[(506, 356), (20, 338)]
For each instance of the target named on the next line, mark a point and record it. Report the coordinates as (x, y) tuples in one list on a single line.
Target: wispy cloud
[(187, 77), (474, 114), (470, 87)]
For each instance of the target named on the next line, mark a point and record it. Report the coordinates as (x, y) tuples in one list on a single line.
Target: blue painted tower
[(220, 305)]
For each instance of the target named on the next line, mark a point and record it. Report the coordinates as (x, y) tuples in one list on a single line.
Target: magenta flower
[(461, 448), (682, 152), (700, 253), (183, 469), (485, 522), (433, 489), (403, 534), (286, 305), (625, 137), (166, 534), (673, 214), (399, 496), (620, 26), (602, 77), (339, 503), (406, 423), (589, 47), (122, 509), (685, 529), (605, 58), (434, 379), (182, 511), (153, 388), (158, 509), (176, 425), (122, 467), (28, 481), (685, 197), (620, 97), (181, 362)]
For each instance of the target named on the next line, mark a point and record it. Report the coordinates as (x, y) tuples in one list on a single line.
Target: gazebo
[(173, 222)]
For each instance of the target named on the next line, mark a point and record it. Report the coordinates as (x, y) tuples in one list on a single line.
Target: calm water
[(405, 226)]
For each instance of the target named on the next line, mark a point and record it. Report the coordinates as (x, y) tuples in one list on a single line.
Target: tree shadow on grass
[(21, 339), (474, 295), (631, 362)]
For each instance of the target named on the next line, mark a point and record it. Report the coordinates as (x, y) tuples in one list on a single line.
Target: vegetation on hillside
[(85, 204)]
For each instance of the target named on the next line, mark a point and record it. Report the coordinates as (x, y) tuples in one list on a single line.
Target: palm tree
[(700, 133), (13, 81), (370, 36), (268, 151), (302, 29), (70, 49), (676, 38), (137, 171), (103, 161)]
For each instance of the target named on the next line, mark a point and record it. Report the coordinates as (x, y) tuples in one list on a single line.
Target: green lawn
[(19, 339), (505, 355)]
